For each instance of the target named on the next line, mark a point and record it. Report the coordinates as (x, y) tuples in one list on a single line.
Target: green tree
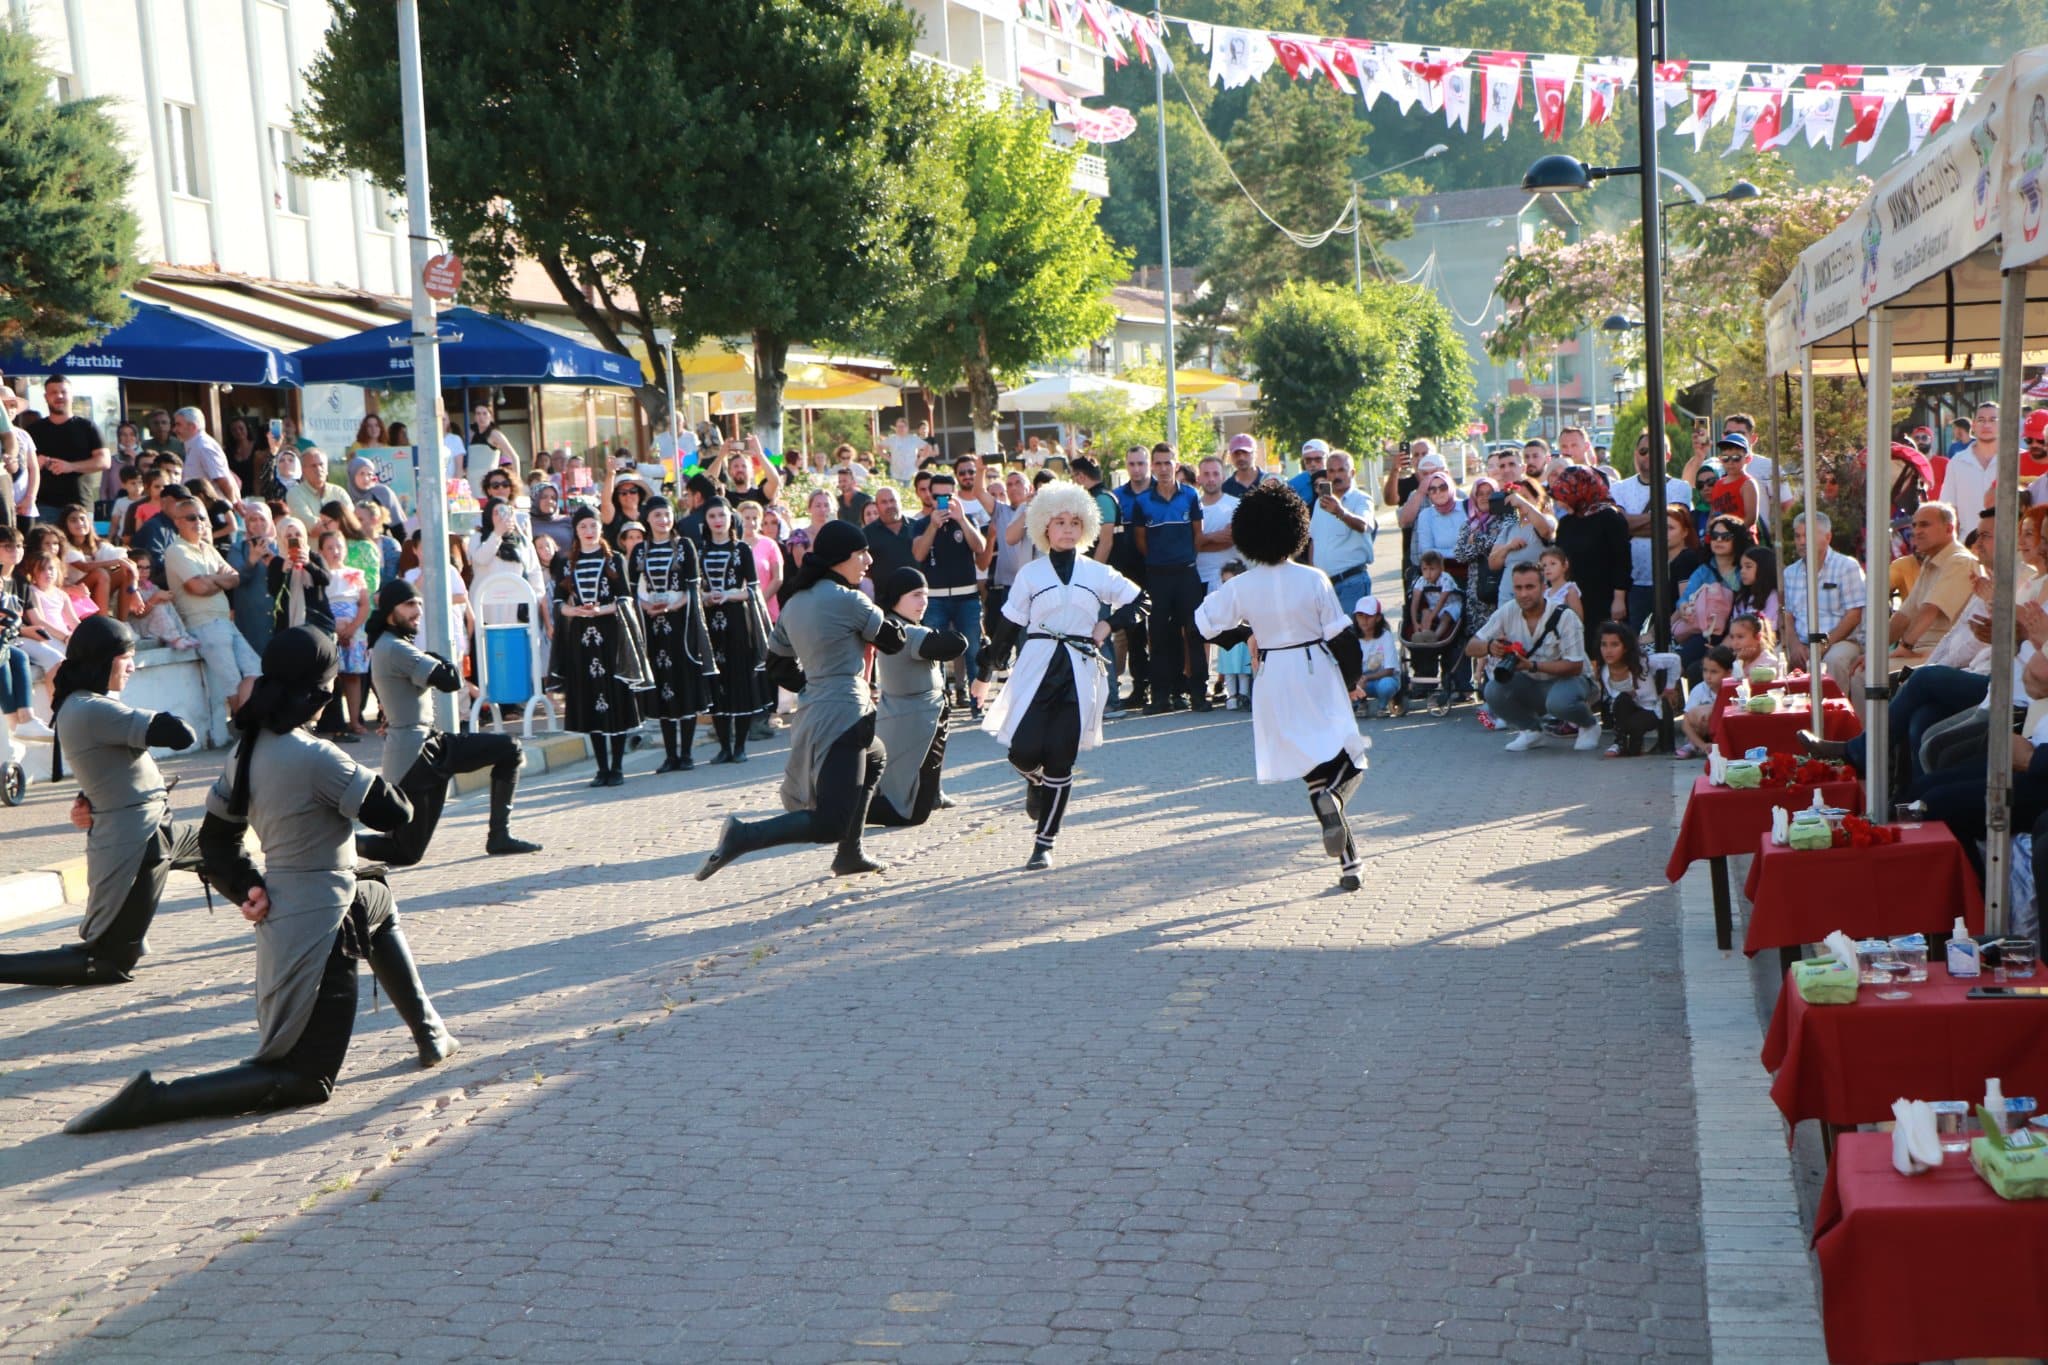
[(1444, 387), (1327, 366), (1295, 150), (778, 194), (1114, 425), (1034, 281), (69, 232), (1131, 213)]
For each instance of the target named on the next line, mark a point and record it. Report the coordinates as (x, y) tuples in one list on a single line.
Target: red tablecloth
[(1738, 731), (1845, 1064), (1918, 885), (1724, 822), (1926, 1267), (1791, 682)]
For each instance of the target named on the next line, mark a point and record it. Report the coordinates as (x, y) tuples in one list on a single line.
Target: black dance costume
[(679, 653), (601, 670), (739, 646)]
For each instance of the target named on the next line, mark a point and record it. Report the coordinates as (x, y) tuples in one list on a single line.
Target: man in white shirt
[(903, 451), (204, 459), (1213, 546), (1966, 486), (1636, 498), (1541, 651), (1843, 597), (1340, 533)]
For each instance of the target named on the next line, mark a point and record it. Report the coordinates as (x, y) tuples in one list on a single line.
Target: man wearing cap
[(1340, 532), (1313, 453), (1736, 494), (1762, 469), (1245, 474), (2034, 444)]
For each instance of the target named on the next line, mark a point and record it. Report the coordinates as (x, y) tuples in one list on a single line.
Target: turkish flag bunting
[(1836, 76), (1293, 56), (1768, 117), (1340, 57), (1099, 24), (1510, 62), (1553, 80), (1671, 72), (1333, 58), (1867, 115)]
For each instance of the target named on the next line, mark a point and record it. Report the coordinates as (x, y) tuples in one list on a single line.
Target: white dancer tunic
[(1301, 711), (1042, 605)]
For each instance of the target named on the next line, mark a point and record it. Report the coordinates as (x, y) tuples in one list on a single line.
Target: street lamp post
[(666, 339), (1165, 254), (1358, 209), (1557, 173)]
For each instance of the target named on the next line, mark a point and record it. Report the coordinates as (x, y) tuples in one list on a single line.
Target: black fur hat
[(1270, 525)]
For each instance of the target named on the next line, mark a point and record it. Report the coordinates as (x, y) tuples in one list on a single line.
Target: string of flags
[(1763, 105)]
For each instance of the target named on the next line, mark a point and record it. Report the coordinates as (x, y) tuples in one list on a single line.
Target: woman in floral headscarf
[(1475, 547), (1594, 532)]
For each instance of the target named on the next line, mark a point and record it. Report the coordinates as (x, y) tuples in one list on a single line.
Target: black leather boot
[(250, 1088), (617, 776), (737, 838), (740, 727), (500, 839), (850, 859), (71, 965), (391, 963), (722, 727), (672, 756), (601, 750)]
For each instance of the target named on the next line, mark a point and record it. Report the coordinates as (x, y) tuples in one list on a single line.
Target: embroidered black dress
[(596, 654), (738, 630), (679, 652)]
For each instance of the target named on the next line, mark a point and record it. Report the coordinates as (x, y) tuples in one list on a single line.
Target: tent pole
[(1809, 480), (2005, 539), (1877, 530)]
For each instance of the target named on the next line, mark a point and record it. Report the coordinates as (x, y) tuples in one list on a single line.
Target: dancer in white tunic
[(1309, 664), (1051, 708)]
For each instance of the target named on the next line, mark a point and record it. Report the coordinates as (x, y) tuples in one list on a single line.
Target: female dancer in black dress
[(738, 623), (598, 649), (664, 570)]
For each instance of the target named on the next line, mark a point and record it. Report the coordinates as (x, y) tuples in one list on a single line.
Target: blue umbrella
[(492, 350), (157, 343)]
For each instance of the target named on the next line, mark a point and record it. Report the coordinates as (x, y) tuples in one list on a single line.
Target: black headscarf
[(299, 665), (899, 584), (394, 592), (837, 542), (88, 665)]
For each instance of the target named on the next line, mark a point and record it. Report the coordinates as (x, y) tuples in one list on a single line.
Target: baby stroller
[(1434, 672)]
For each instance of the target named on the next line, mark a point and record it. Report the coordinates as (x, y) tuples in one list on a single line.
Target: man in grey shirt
[(1013, 551)]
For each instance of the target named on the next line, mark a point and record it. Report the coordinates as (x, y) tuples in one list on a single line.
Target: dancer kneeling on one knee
[(314, 921), (131, 843), (1051, 709), (1309, 663), (835, 761), (419, 759)]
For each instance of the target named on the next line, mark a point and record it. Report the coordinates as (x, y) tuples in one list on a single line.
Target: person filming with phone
[(1341, 530)]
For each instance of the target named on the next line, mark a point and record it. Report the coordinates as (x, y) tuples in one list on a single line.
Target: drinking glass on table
[(2019, 956), (1892, 971)]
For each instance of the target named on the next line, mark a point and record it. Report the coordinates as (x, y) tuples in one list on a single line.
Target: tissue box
[(2014, 1172), (1762, 674), (1743, 773), (1763, 704), (1810, 834), (1824, 981)]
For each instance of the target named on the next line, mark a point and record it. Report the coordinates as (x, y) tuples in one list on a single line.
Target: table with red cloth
[(1845, 1064), (1738, 731), (1794, 683), (1926, 1267), (1915, 886), (1721, 822)]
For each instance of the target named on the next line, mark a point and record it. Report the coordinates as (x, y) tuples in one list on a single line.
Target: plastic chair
[(511, 653)]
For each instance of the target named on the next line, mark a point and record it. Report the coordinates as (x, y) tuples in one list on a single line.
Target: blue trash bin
[(508, 665)]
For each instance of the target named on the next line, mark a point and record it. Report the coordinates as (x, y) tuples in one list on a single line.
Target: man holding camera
[(1539, 665)]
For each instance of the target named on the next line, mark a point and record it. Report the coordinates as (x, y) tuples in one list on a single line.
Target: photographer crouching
[(1538, 654)]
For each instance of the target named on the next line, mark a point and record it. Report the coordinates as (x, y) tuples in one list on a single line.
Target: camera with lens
[(1505, 669)]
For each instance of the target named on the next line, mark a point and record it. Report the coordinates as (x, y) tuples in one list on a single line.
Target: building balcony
[(1091, 175)]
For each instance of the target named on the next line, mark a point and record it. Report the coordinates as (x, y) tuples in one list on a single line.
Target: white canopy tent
[(1048, 394), (1932, 272)]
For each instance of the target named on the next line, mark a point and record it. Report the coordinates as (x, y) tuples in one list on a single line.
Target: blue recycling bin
[(508, 664)]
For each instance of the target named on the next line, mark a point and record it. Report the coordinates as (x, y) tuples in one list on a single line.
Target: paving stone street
[(1178, 1099)]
